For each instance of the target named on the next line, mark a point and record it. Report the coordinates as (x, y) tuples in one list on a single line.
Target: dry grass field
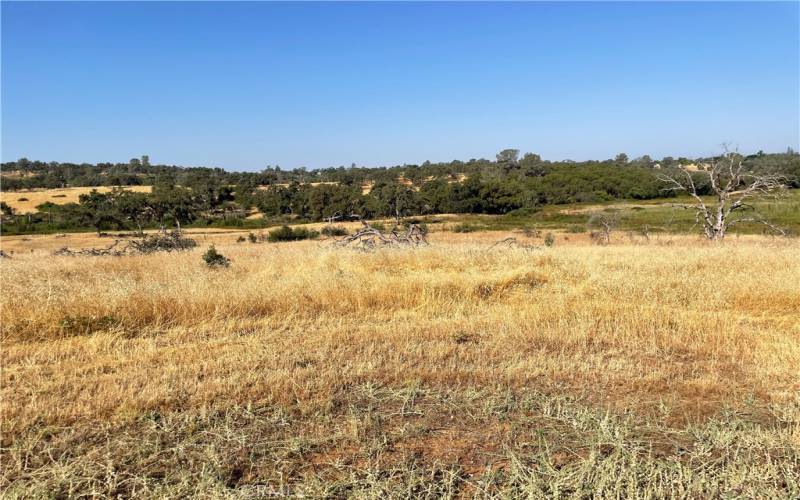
[(26, 201), (661, 369)]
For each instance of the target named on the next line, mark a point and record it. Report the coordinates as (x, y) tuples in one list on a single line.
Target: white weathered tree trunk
[(733, 187)]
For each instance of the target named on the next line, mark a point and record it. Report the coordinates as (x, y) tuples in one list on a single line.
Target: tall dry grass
[(365, 347)]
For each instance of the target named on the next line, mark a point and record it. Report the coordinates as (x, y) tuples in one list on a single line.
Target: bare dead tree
[(605, 223), (733, 186)]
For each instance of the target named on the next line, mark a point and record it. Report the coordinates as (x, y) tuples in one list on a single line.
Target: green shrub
[(213, 258), (334, 231), (302, 233), (285, 233), (549, 239), (464, 228), (523, 212), (252, 237)]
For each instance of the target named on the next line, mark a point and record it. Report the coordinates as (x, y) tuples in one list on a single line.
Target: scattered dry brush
[(166, 241)]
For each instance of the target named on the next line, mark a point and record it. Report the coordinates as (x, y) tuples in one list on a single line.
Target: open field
[(659, 216), (666, 368), (26, 201)]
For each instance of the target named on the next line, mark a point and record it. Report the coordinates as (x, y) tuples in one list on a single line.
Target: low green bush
[(334, 231), (285, 233), (464, 228), (213, 258)]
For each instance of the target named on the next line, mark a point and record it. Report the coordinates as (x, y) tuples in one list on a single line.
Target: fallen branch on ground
[(111, 250), (368, 237), (166, 241), (512, 242)]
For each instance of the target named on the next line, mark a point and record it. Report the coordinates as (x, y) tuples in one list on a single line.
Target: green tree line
[(181, 196)]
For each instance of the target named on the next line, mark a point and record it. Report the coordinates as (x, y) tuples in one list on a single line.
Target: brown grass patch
[(61, 196), (334, 367)]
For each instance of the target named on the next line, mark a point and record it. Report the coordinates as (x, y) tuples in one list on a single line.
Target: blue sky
[(244, 85)]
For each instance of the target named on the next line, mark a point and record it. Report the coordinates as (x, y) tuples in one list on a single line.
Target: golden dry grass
[(35, 197), (651, 369)]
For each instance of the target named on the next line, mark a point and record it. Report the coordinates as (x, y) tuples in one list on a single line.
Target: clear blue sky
[(243, 85)]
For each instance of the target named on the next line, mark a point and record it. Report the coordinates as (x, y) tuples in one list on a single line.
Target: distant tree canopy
[(212, 195)]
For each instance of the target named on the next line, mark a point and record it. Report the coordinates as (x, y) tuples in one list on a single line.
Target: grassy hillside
[(657, 369), (26, 201)]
